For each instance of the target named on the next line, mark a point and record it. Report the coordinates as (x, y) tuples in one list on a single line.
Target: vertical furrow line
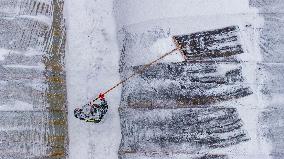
[(57, 138)]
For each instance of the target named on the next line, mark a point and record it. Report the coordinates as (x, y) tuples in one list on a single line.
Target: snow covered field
[(32, 92), (207, 107), (94, 53)]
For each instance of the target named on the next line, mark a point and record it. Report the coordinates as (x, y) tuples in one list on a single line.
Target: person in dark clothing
[(103, 106), (92, 112)]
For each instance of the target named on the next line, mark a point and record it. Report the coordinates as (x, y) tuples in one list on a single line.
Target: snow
[(162, 46), (185, 17), (92, 60), (145, 10), (92, 67), (44, 1), (29, 52), (40, 18), (40, 66), (3, 82), (37, 84), (17, 106), (3, 53)]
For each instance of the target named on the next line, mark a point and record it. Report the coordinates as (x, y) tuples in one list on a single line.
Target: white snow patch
[(3, 53), (37, 84), (3, 82), (32, 52), (40, 18), (45, 1), (16, 106), (16, 128), (40, 66), (163, 46), (29, 52), (136, 11)]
